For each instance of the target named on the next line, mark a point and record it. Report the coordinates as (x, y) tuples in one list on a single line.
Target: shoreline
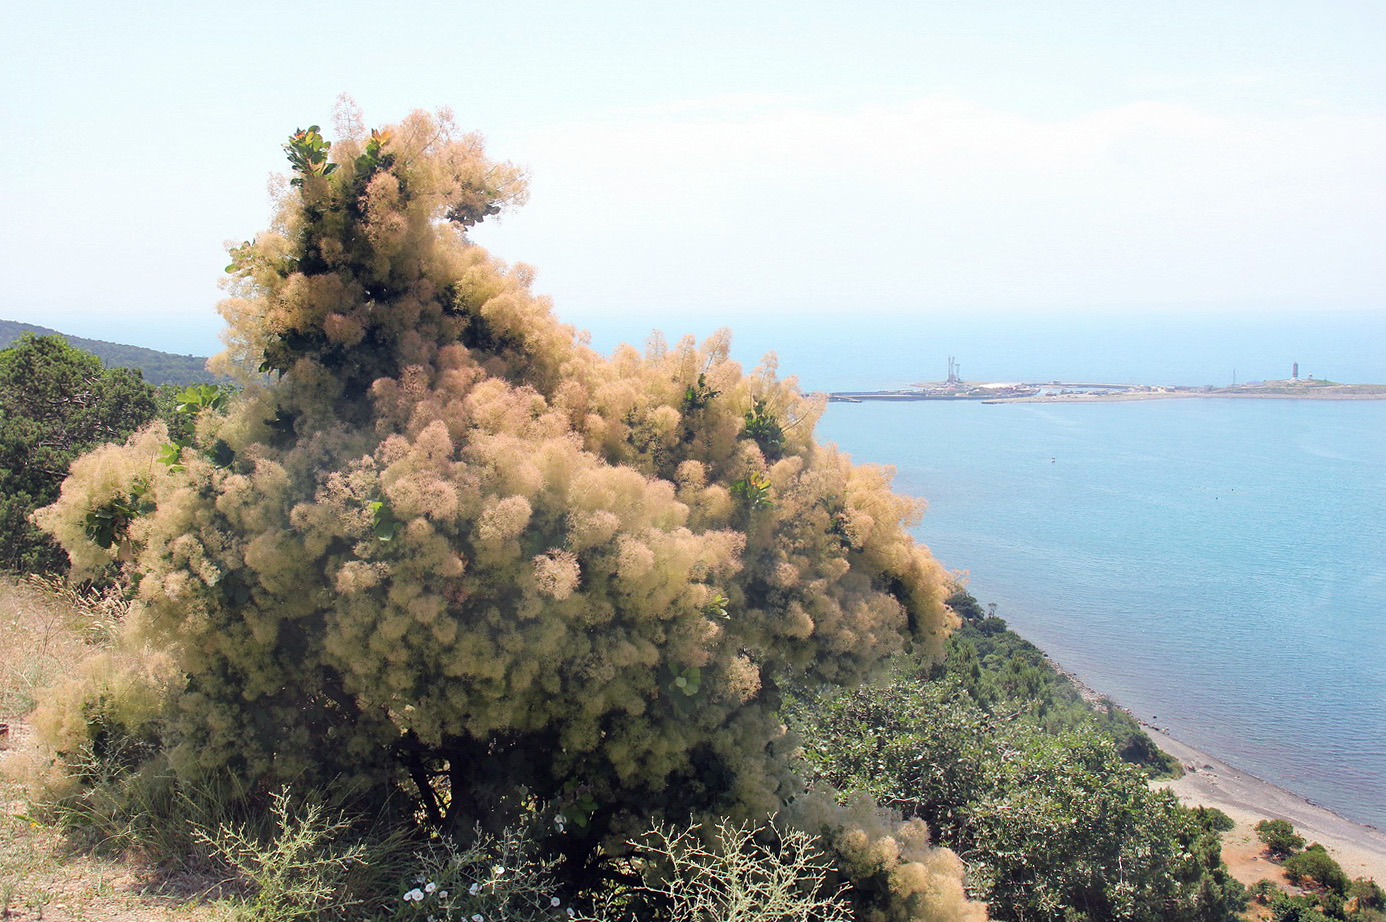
[(1212, 782)]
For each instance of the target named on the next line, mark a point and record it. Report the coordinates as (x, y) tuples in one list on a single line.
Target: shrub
[(1263, 891), (447, 550), (106, 719), (1368, 894), (887, 860), (737, 873), (1315, 865), (1214, 819), (1279, 837), (1004, 673), (297, 871), (495, 877), (1048, 823), (1287, 908), (731, 871)]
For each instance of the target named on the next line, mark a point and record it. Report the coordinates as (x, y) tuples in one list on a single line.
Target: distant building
[(1294, 372)]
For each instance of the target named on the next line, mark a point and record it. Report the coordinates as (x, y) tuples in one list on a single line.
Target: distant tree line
[(157, 367)]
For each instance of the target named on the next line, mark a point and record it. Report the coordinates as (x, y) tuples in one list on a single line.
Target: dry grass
[(46, 631), (42, 635)]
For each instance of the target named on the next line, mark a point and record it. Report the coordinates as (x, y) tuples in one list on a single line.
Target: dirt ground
[(41, 879)]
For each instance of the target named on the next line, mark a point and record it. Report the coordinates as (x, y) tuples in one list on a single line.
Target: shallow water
[(1218, 566)]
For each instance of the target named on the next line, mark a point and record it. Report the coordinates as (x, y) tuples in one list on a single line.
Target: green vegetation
[(1314, 866), (539, 619), (1000, 670), (180, 408), (1279, 837), (158, 368), (1330, 895), (1367, 900), (736, 871), (448, 557), (1360, 904), (56, 403), (1024, 782)]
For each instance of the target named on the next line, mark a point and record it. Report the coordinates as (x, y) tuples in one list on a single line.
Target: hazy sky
[(717, 160)]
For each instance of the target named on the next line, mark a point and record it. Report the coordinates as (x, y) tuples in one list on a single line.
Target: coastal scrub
[(438, 548)]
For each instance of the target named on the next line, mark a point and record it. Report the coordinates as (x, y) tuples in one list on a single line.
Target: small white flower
[(442, 894), (571, 913), (416, 894), (478, 918), (555, 901), (474, 889), (498, 870), (430, 887)]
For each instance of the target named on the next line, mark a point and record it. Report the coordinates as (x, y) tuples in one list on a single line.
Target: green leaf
[(386, 525)]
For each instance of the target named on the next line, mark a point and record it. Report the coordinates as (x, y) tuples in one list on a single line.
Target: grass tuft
[(42, 636)]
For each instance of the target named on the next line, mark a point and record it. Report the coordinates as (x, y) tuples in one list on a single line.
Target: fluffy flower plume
[(437, 536)]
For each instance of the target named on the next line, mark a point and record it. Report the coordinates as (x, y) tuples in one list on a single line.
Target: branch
[(409, 751)]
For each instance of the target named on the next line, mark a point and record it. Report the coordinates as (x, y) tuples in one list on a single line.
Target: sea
[(1216, 566)]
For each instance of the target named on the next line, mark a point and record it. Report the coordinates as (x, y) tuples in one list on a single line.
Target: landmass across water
[(1075, 392)]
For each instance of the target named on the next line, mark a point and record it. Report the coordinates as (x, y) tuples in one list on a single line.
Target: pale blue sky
[(718, 159)]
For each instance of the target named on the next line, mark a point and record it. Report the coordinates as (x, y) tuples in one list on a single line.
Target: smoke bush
[(437, 543)]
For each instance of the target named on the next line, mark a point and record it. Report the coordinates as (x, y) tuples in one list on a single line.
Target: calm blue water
[(1217, 566)]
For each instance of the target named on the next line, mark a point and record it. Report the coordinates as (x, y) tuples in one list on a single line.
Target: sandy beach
[(1210, 782)]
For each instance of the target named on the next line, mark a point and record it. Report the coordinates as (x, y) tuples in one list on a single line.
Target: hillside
[(157, 367)]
